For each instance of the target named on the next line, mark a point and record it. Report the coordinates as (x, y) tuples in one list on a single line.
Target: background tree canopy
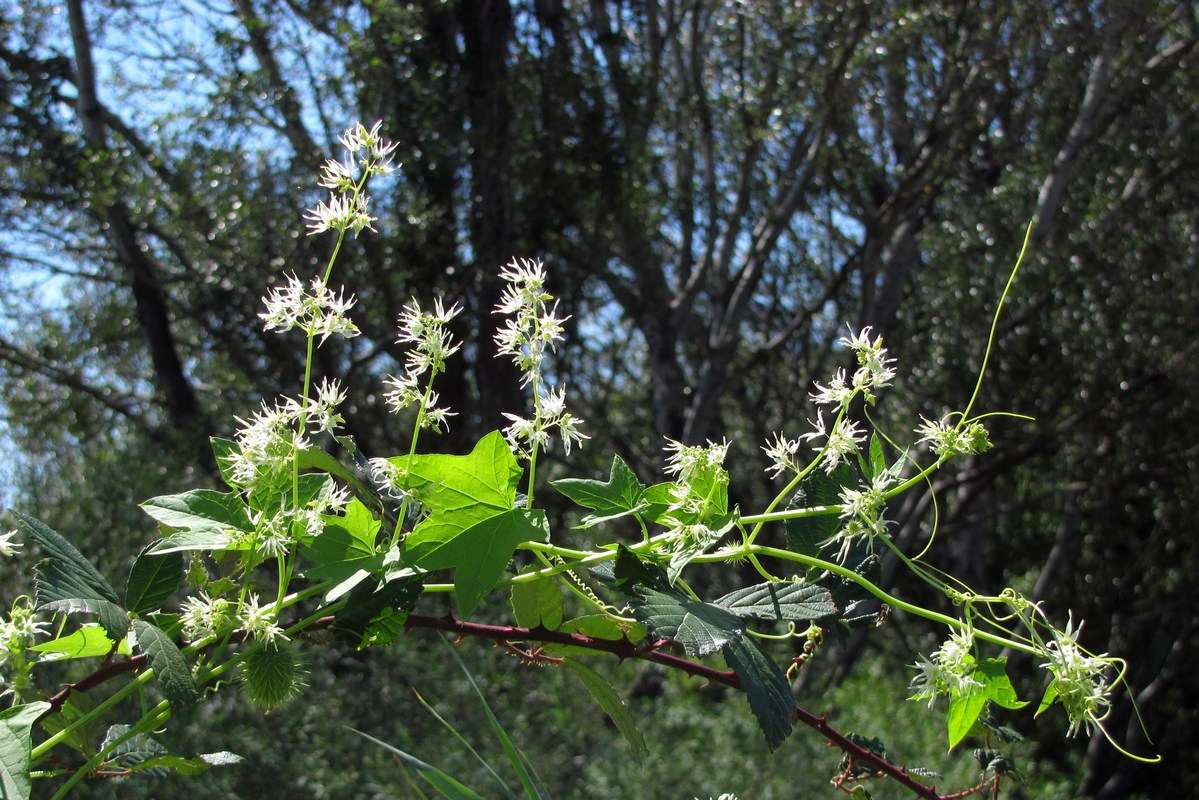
[(718, 189)]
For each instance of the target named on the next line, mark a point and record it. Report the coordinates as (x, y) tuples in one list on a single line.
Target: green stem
[(889, 599), (148, 722), (141, 679), (995, 324)]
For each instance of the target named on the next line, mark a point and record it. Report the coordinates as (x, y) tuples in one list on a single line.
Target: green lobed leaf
[(460, 491), (87, 642), (612, 705), (805, 535), (153, 578), (168, 663), (657, 501), (200, 511), (345, 549), (538, 603), (479, 554), (780, 601), (16, 743), (618, 497), (67, 582), (701, 628), (486, 476), (765, 686)]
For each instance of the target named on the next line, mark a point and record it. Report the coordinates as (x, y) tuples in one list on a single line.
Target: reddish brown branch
[(623, 649), (104, 673)]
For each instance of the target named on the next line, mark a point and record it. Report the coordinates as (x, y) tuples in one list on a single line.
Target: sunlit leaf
[(479, 553), (87, 642), (619, 496)]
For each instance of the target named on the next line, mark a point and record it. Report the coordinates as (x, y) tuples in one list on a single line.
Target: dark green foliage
[(67, 582), (170, 668), (152, 580)]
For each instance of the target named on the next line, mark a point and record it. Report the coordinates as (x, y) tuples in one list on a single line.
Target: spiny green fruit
[(271, 675)]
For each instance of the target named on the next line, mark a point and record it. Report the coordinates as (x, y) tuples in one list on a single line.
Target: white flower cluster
[(203, 617), (367, 155), (319, 312), (16, 635), (276, 534), (267, 442), (699, 476), (1078, 680), (864, 510), (948, 440), (531, 330), (432, 345), (844, 438), (948, 671), (874, 372), (533, 326)]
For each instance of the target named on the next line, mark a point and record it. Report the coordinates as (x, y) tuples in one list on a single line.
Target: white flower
[(874, 370), (837, 393), (203, 616), (432, 346), (338, 175), (389, 477), (1078, 680), (18, 631), (948, 671), (948, 440), (686, 460), (784, 455), (266, 444), (319, 311), (534, 326), (568, 428), (8, 547), (260, 621), (322, 410), (841, 441), (273, 534)]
